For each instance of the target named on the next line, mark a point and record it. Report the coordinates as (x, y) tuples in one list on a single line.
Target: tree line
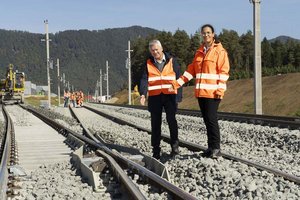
[(281, 55), (83, 53)]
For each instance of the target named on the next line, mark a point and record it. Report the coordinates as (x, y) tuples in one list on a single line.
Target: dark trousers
[(66, 101), (209, 108), (156, 104)]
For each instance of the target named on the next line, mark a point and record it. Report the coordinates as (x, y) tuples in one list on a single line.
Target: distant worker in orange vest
[(77, 98), (81, 97), (159, 72), (211, 69), (72, 99), (66, 98)]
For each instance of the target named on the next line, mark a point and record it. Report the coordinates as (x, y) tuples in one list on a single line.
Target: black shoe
[(211, 153), (215, 153), (207, 153), (175, 149), (174, 153)]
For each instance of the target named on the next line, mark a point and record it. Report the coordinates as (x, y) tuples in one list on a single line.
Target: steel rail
[(196, 147), (119, 173), (8, 154), (5, 152), (176, 192), (166, 138), (266, 120)]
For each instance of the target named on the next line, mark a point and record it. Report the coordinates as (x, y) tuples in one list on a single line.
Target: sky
[(278, 17)]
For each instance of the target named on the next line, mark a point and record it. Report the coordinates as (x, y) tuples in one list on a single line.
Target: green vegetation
[(278, 56), (279, 99), (36, 100), (82, 53), (297, 113)]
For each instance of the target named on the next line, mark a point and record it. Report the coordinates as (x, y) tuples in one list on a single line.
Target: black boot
[(156, 153), (207, 153), (216, 153), (156, 156), (175, 149), (211, 153)]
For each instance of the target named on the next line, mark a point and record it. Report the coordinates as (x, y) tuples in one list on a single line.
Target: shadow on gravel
[(165, 157)]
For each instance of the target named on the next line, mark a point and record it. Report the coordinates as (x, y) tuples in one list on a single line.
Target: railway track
[(8, 157), (158, 180), (196, 147), (131, 167), (136, 118), (37, 143), (265, 120), (36, 153), (180, 168)]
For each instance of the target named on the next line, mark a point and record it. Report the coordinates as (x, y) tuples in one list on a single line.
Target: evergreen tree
[(291, 45), (182, 45), (266, 54), (230, 41), (297, 57), (139, 56), (277, 54), (246, 42), (195, 43), (166, 39)]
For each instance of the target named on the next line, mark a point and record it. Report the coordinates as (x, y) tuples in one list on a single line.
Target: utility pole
[(257, 57), (64, 81), (96, 91), (100, 84), (106, 76), (58, 81), (68, 86), (129, 72), (48, 62)]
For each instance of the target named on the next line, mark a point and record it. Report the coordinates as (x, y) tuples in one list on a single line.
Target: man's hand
[(218, 96), (142, 100)]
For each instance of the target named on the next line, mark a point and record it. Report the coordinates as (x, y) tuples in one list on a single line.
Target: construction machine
[(13, 86)]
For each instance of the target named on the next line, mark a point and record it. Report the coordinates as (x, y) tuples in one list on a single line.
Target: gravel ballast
[(207, 178)]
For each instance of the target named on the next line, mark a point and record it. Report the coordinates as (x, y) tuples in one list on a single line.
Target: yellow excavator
[(13, 86)]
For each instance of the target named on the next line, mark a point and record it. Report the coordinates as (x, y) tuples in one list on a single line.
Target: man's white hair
[(152, 42)]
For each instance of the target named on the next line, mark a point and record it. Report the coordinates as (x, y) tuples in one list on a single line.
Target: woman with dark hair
[(210, 66)]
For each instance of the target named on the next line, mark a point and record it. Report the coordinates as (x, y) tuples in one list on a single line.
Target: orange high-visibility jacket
[(72, 96), (160, 82), (211, 71), (66, 94)]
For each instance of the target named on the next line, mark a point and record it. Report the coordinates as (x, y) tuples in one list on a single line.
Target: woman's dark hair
[(208, 25), (213, 31)]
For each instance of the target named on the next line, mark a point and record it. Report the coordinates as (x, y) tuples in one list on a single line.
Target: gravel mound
[(212, 178), (57, 181)]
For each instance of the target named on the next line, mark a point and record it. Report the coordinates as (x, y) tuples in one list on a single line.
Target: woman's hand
[(142, 100)]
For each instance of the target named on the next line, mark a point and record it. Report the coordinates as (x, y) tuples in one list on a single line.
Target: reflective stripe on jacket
[(211, 71), (160, 82)]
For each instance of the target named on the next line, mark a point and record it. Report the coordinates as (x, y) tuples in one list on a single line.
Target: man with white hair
[(160, 70)]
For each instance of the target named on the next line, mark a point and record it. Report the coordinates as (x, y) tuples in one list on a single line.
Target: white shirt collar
[(206, 49), (163, 59)]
